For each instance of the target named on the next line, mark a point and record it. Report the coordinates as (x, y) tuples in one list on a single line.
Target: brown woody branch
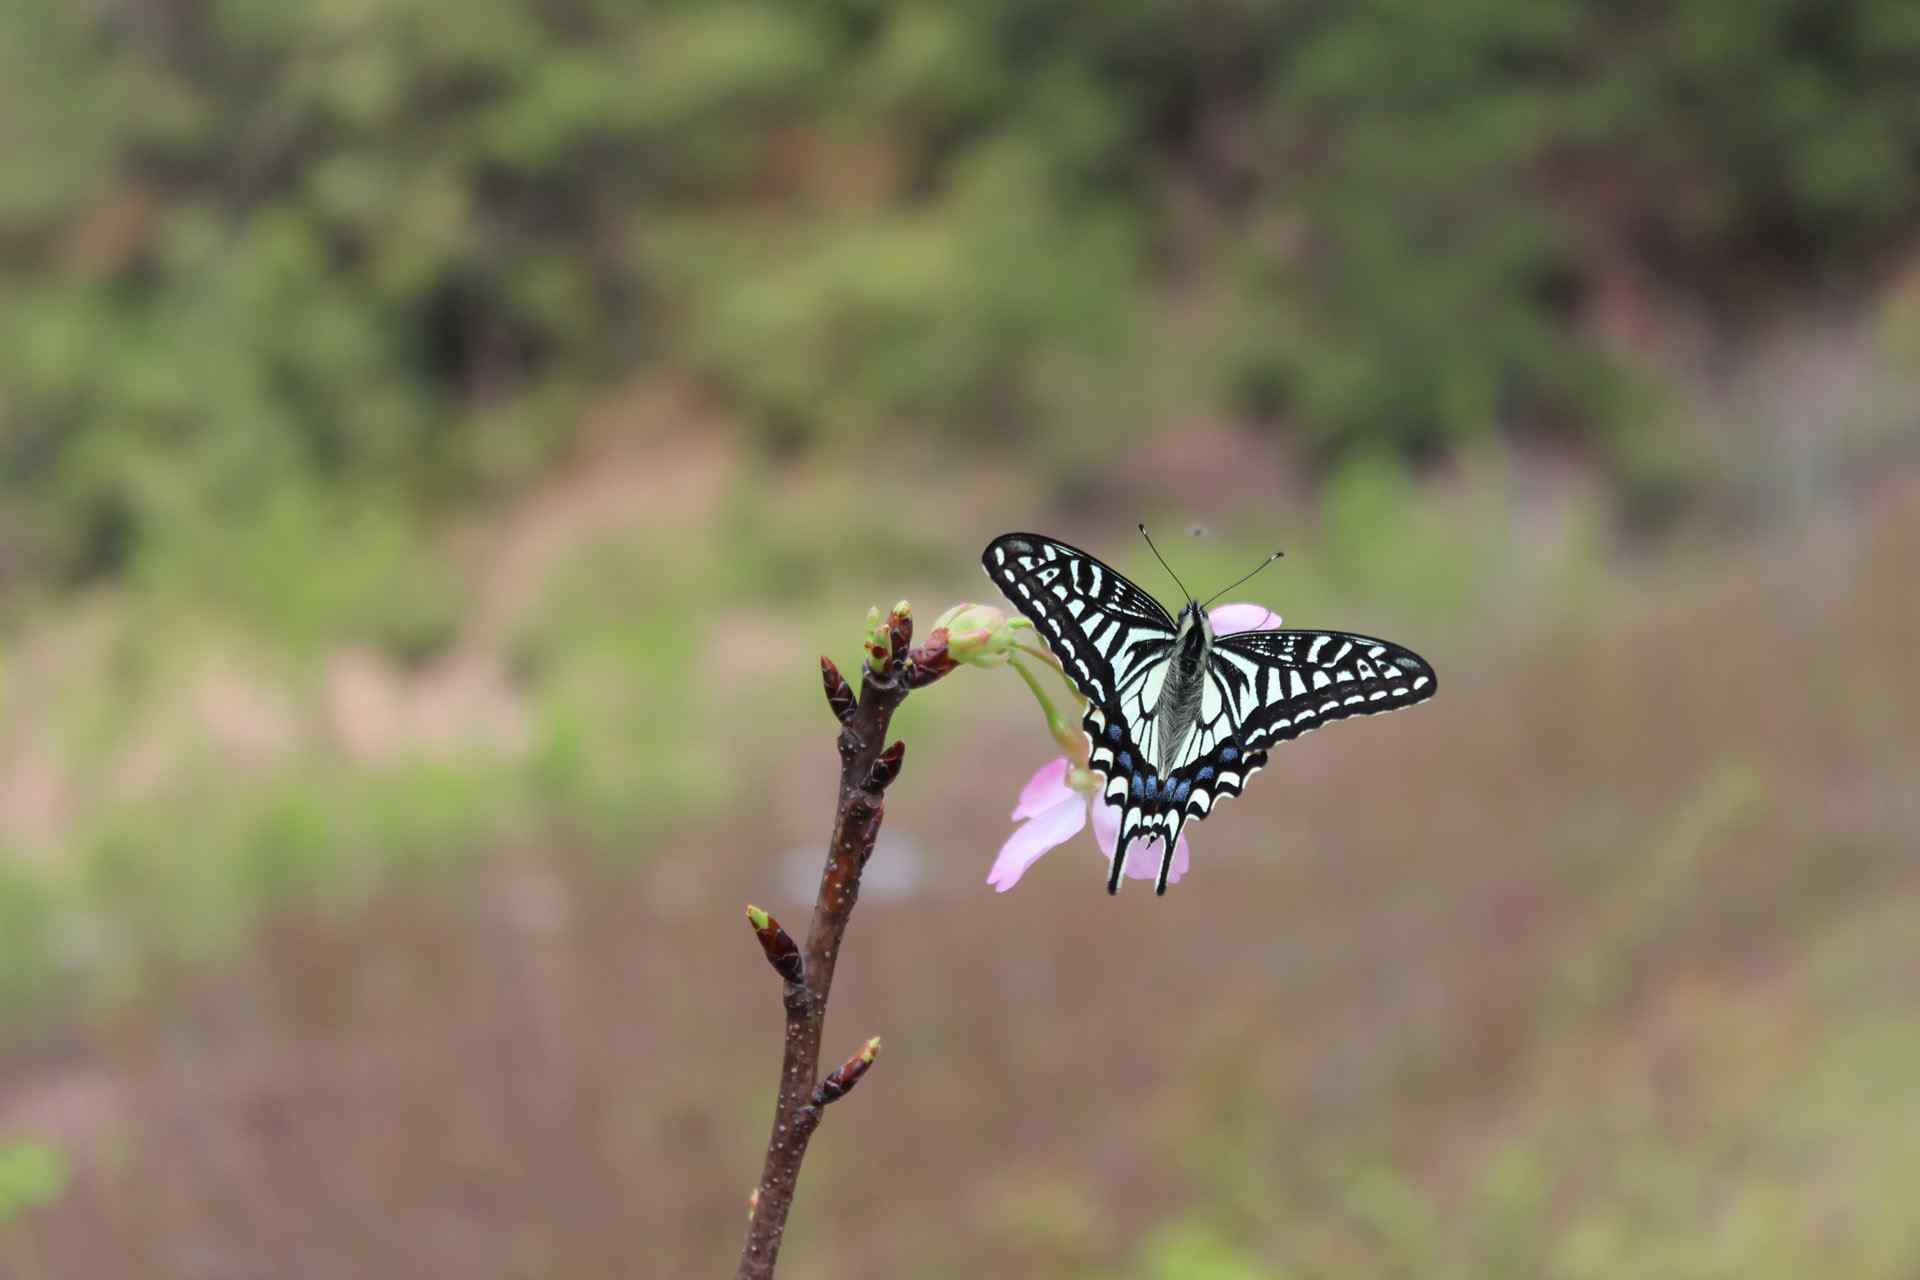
[(867, 767)]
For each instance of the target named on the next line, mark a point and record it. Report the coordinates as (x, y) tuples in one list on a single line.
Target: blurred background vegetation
[(436, 439)]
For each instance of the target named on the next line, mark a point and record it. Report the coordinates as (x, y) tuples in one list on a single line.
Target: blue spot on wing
[(1205, 774), (1113, 733), (1229, 754)]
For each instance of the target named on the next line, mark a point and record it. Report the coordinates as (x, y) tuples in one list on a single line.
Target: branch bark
[(867, 766)]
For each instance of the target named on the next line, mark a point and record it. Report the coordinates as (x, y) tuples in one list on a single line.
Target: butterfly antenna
[(1184, 593), (1257, 568)]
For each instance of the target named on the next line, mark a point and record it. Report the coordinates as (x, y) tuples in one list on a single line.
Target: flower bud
[(930, 661), (886, 767), (782, 952), (900, 630), (839, 693), (879, 642), (837, 1085), (980, 635)]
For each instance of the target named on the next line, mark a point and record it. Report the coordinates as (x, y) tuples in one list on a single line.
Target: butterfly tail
[(1135, 824), (1116, 869), (1169, 838)]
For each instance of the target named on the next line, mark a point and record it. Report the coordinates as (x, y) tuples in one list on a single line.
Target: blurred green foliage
[(30, 1174), (610, 668), (281, 285), (385, 246), (27, 945), (1193, 1252)]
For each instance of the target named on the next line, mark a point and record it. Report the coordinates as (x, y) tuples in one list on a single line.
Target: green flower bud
[(900, 630), (979, 634)]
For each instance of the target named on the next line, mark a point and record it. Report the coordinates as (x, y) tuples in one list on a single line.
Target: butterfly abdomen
[(1178, 709)]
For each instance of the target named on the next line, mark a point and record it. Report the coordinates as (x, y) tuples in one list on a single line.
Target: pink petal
[(1229, 618), (1182, 859), (1106, 825), (1143, 859), (1038, 834), (1045, 789)]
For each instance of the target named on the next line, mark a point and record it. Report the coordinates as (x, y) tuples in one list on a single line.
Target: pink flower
[(1055, 801), (1229, 618), (1053, 807)]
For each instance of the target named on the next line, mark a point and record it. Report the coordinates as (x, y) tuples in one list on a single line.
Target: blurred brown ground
[(1607, 950)]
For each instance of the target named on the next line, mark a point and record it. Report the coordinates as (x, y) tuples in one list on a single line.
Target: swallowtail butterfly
[(1176, 716)]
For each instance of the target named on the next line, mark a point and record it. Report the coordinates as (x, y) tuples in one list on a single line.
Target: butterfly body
[(1177, 710), (1178, 716)]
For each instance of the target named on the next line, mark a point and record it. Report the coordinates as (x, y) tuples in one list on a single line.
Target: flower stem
[(1052, 663), (1065, 732)]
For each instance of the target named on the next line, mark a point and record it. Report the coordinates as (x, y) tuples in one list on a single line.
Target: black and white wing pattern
[(1273, 686), (1112, 639), (1118, 646), (1100, 626)]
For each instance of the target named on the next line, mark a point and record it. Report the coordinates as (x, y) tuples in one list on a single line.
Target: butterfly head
[(1193, 632)]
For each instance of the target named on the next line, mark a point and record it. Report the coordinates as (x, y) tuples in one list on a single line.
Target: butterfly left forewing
[(1112, 640), (1104, 630), (1286, 683)]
